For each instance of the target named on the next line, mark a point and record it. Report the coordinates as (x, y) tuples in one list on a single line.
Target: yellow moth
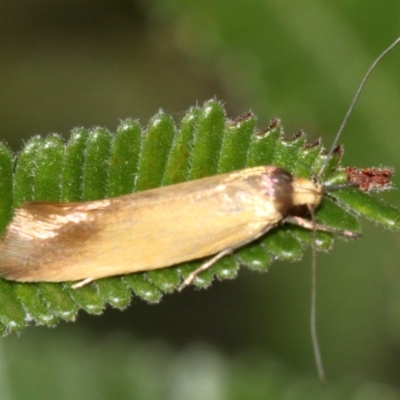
[(153, 229)]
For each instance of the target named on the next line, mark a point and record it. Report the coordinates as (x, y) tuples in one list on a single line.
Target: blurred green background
[(86, 63)]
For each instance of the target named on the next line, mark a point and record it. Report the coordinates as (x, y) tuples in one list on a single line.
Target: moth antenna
[(313, 309), (353, 103)]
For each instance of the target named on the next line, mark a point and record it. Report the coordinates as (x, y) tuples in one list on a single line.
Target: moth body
[(153, 229)]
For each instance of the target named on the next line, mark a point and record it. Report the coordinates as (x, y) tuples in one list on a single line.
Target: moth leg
[(304, 223), (204, 267), (82, 283)]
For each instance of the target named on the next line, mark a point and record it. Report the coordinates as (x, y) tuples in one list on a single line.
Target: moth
[(158, 228)]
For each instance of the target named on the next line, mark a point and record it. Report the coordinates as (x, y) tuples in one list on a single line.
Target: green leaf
[(156, 145), (97, 164), (74, 161), (6, 185), (369, 207)]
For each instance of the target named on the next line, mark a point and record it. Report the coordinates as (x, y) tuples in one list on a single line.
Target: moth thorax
[(306, 193)]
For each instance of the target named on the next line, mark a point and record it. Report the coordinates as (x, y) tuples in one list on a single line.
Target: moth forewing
[(149, 230)]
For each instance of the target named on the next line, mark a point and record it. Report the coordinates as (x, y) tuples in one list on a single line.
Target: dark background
[(89, 63)]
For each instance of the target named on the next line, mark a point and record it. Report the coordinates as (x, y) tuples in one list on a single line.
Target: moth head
[(306, 193)]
